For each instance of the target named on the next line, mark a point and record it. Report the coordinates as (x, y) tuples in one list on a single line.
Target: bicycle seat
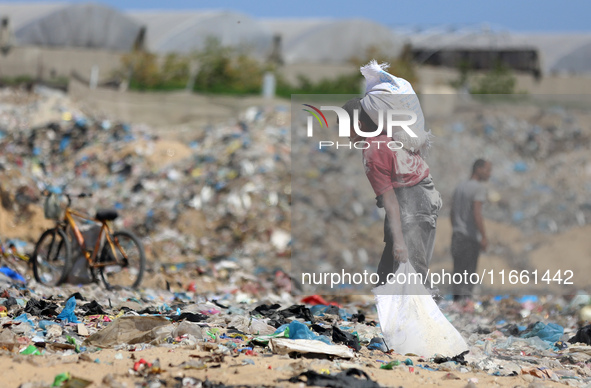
[(106, 214)]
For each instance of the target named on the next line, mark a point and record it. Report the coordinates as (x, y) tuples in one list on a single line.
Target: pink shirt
[(387, 169)]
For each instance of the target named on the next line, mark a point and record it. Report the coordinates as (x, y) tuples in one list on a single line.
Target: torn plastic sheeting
[(191, 317), (266, 310), (298, 330), (264, 339), (340, 336), (583, 335), (40, 308), (550, 332), (459, 359), (24, 318), (318, 300), (31, 349), (277, 317), (350, 378), (188, 328), (12, 274), (93, 308), (8, 340), (299, 311), (44, 324), (251, 325), (327, 331), (130, 330), (378, 343), (286, 346)]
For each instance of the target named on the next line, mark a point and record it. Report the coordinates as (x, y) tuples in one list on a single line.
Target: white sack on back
[(385, 92)]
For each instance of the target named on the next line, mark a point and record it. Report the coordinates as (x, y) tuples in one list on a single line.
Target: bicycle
[(121, 262)]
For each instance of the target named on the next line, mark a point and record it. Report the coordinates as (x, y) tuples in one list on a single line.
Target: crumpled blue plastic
[(68, 311), (549, 333), (24, 318), (320, 309), (377, 343), (12, 274), (298, 330)]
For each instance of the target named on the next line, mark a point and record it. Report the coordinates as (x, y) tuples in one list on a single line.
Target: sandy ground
[(268, 370)]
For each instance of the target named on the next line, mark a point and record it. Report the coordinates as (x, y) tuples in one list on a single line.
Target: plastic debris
[(67, 313), (355, 378), (131, 330), (550, 332), (31, 349), (286, 346)]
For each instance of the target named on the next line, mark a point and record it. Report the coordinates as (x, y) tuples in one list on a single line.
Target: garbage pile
[(541, 177), (222, 195), (159, 338), (214, 214), (541, 182)]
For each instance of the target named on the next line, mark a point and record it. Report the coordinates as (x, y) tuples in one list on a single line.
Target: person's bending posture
[(397, 171)]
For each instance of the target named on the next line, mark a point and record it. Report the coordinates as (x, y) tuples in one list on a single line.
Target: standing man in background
[(469, 236)]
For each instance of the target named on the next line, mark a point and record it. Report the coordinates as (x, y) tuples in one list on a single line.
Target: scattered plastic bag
[(12, 274), (583, 335), (286, 346), (377, 343), (411, 321), (68, 311), (131, 330), (549, 333), (251, 325), (350, 378), (298, 330), (188, 328), (8, 340), (31, 349), (60, 379)]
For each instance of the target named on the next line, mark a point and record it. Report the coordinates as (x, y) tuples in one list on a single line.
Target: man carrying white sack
[(399, 177)]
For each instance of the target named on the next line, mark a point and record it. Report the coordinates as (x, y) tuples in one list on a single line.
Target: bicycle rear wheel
[(51, 258), (129, 258)]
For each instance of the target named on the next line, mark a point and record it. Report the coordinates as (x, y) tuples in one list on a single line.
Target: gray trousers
[(465, 251), (419, 238), (419, 207)]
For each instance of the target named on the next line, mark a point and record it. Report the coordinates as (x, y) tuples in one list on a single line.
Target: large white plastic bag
[(411, 321)]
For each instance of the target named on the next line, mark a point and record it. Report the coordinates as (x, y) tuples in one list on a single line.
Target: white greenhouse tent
[(562, 53), (557, 53), (186, 31), (331, 41), (64, 25)]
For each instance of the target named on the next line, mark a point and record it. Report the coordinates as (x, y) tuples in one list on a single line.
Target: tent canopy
[(184, 32), (70, 25), (330, 40), (558, 53)]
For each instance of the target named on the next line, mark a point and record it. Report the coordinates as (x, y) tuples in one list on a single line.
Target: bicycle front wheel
[(128, 265), (51, 258)]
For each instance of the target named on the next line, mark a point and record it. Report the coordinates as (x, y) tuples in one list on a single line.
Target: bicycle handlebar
[(69, 196)]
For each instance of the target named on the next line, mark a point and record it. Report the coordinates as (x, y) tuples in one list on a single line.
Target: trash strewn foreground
[(158, 338), (217, 306)]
